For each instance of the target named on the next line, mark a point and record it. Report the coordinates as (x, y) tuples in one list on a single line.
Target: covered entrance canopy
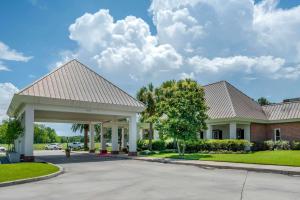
[(73, 93)]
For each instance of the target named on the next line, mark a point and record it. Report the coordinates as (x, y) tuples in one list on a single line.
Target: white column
[(132, 135), (103, 142), (92, 137), (123, 145), (28, 132), (114, 138), (247, 132), (155, 135), (209, 132), (232, 130)]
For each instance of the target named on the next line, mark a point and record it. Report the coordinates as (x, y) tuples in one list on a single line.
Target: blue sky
[(253, 45)]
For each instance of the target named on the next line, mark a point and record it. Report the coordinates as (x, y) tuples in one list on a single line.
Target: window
[(217, 134), (240, 134), (277, 134)]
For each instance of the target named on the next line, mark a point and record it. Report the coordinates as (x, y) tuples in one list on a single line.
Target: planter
[(13, 157), (68, 153)]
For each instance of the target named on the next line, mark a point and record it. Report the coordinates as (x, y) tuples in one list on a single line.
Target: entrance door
[(217, 134), (240, 134)]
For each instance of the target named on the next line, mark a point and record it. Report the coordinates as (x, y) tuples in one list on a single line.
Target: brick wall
[(261, 132), (258, 132), (289, 131)]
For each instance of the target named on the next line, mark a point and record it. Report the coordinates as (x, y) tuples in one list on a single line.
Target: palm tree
[(82, 128), (148, 97)]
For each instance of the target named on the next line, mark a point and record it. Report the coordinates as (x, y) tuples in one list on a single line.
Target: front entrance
[(217, 134)]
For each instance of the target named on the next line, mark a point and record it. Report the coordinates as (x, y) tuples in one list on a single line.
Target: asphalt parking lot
[(90, 177)]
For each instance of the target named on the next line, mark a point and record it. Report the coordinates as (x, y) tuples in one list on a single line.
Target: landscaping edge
[(34, 179), (276, 169)]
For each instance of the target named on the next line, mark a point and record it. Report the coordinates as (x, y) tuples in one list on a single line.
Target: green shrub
[(269, 145), (170, 145), (217, 145), (282, 145), (158, 145), (142, 145), (295, 145)]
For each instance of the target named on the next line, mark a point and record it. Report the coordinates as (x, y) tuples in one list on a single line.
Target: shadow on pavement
[(77, 158)]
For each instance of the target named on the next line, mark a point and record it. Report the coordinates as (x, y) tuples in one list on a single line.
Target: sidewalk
[(226, 165)]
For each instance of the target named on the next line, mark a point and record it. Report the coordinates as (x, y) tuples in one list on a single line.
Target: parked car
[(2, 149), (53, 146), (108, 144), (76, 145)]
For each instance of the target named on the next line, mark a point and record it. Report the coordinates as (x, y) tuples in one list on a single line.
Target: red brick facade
[(261, 132)]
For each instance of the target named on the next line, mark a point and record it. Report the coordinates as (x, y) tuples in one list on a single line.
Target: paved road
[(89, 177)]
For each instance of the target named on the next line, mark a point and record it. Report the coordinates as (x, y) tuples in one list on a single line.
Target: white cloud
[(3, 67), (7, 53), (202, 39), (7, 91), (123, 49)]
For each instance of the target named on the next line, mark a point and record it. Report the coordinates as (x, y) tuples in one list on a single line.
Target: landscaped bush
[(278, 145), (170, 145), (269, 145), (295, 145), (217, 145), (282, 145), (158, 145), (142, 145)]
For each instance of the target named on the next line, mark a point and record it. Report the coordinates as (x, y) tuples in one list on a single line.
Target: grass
[(64, 146), (288, 158), (11, 172)]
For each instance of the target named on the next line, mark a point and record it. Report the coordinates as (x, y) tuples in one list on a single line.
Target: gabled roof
[(283, 111), (74, 81), (226, 101)]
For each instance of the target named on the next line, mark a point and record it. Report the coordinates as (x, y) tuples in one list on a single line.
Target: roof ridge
[(214, 83), (230, 99), (46, 75), (281, 103)]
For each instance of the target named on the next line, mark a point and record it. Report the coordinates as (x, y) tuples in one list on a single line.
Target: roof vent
[(292, 100)]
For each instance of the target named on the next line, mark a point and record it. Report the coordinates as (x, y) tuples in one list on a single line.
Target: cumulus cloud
[(194, 38), (7, 91), (123, 49)]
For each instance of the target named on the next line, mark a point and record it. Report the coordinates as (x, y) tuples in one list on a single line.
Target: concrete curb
[(39, 178), (286, 170)]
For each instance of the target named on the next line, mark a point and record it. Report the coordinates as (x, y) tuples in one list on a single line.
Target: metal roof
[(226, 101), (75, 81), (283, 111)]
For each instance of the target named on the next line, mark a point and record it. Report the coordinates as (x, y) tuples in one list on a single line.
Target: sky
[(255, 45)]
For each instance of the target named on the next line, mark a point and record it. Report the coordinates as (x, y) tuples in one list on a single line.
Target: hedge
[(198, 145)]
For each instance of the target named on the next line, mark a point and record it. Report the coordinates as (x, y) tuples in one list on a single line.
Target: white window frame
[(275, 136)]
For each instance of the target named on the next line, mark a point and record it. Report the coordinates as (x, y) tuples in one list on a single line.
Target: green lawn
[(10, 172), (289, 158)]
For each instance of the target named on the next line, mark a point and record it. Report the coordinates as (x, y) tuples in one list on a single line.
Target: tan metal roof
[(75, 81), (283, 111), (226, 101)]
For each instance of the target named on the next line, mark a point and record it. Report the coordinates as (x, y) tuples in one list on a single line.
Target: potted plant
[(13, 131), (68, 150)]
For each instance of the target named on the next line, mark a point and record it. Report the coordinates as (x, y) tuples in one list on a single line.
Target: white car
[(2, 149), (53, 146), (76, 145)]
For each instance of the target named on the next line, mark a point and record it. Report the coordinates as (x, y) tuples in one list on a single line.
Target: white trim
[(274, 134)]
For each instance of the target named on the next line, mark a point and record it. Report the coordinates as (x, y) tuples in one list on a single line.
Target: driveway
[(90, 177)]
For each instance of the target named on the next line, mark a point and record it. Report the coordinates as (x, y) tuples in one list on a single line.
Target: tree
[(85, 129), (43, 134), (148, 97), (263, 101), (82, 128), (13, 130), (181, 111)]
